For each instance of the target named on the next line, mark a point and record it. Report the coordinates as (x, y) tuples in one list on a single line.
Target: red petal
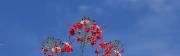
[(86, 21), (93, 42), (78, 25), (56, 49), (90, 38), (87, 29), (68, 49), (99, 37), (111, 46), (49, 55), (72, 31), (93, 27), (80, 39), (93, 33), (107, 53), (117, 53), (98, 31), (103, 44)]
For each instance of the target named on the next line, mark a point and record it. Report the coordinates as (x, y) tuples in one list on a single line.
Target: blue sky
[(146, 27)]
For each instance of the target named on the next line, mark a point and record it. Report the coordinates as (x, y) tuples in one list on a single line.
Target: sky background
[(146, 27)]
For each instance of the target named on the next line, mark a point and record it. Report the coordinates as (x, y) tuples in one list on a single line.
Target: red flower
[(87, 29), (93, 42), (111, 46), (49, 55), (103, 44), (117, 53), (93, 26), (80, 39), (99, 37), (67, 47), (98, 32), (97, 51), (72, 31), (93, 33), (107, 53), (78, 25), (56, 49), (90, 38), (85, 21)]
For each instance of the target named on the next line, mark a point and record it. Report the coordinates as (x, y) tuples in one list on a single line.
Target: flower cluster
[(109, 48), (86, 31), (54, 45)]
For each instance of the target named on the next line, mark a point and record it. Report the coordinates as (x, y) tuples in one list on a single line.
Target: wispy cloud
[(154, 5), (85, 9)]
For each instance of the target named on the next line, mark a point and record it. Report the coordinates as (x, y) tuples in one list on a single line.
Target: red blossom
[(110, 46), (93, 42), (56, 49), (90, 38), (103, 44), (99, 37), (85, 21), (78, 25), (107, 53), (93, 34), (98, 31), (49, 55), (87, 29), (67, 47), (93, 26), (117, 53), (80, 39), (72, 31)]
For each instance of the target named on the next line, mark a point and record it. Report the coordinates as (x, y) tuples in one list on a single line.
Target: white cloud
[(84, 9), (154, 5)]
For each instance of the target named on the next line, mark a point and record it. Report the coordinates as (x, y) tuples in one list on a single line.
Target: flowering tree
[(87, 33)]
